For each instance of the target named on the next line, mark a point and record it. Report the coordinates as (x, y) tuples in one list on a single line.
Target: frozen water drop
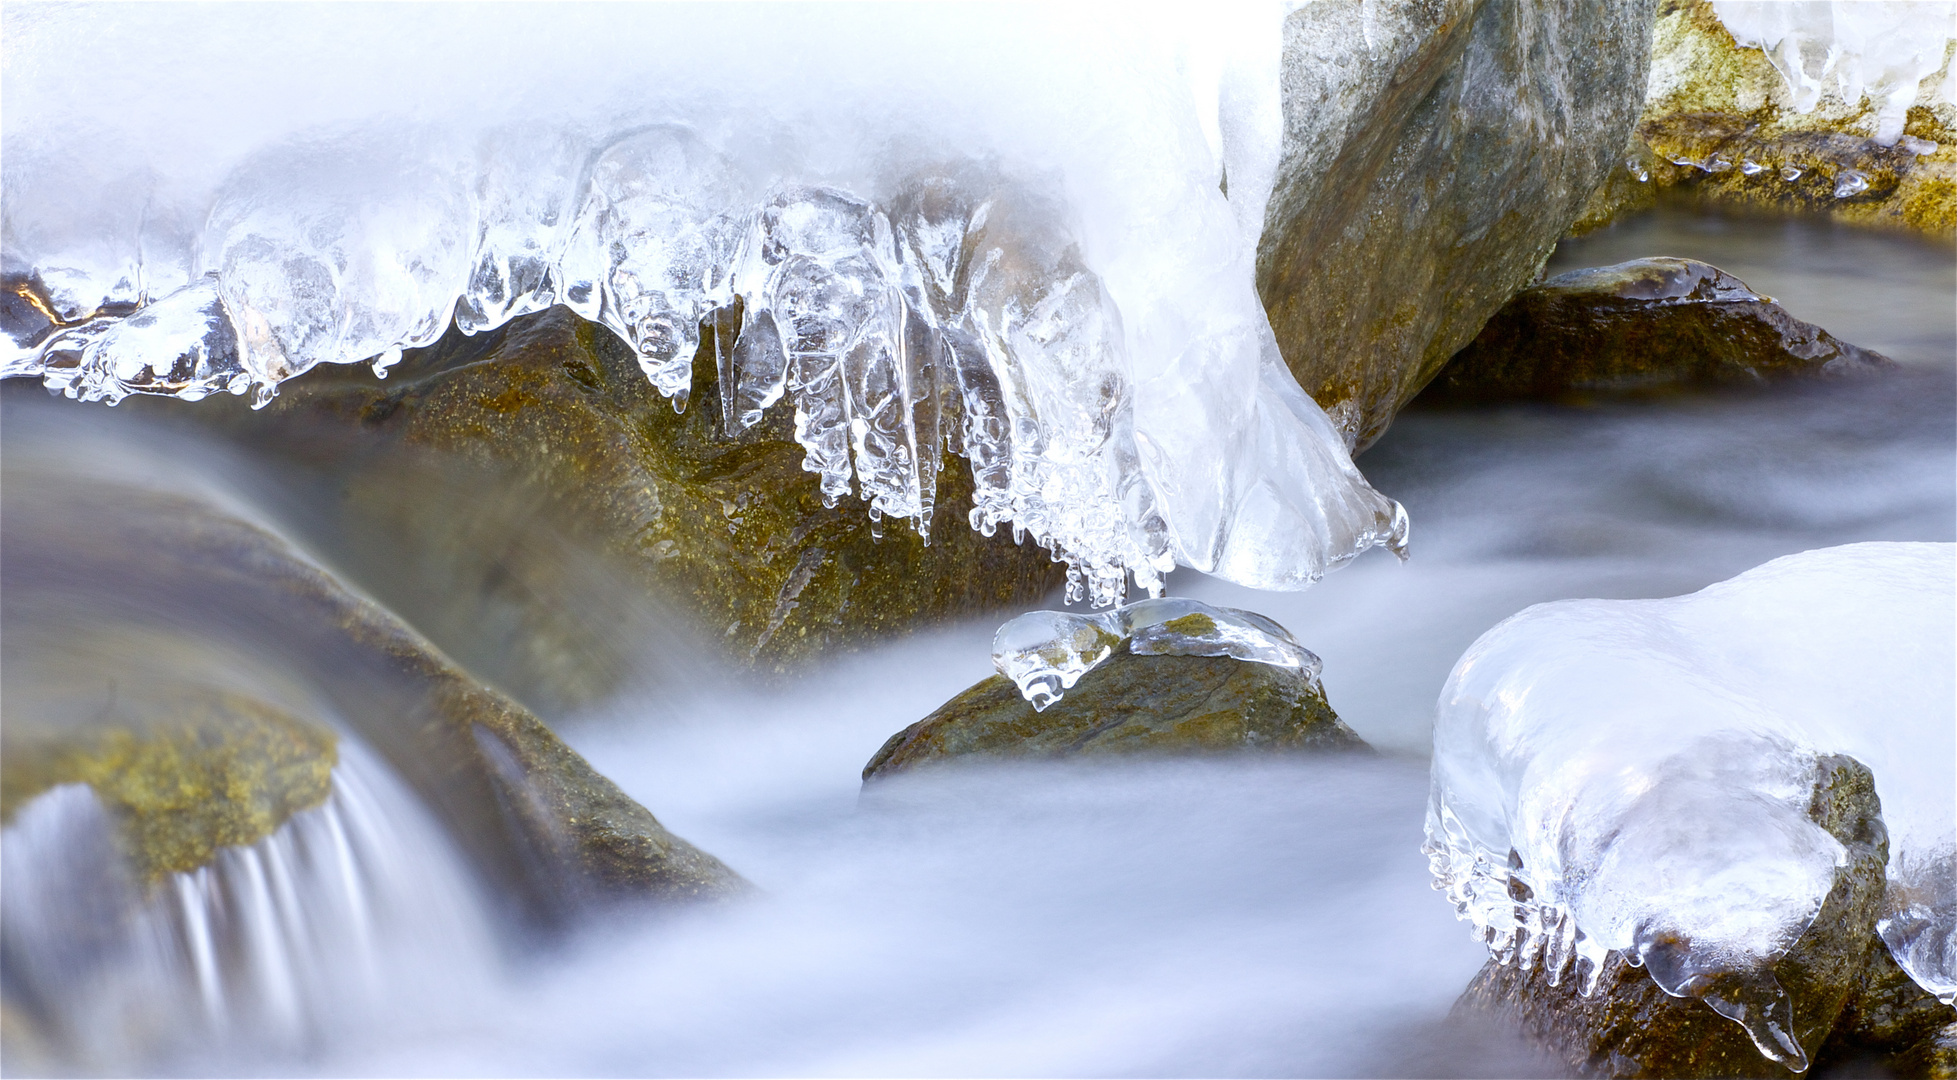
[(1790, 173), (1850, 182)]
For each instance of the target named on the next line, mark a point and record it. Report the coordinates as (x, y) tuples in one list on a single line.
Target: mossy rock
[(1128, 704), (1718, 127), (183, 770), (1845, 1009), (551, 419), (116, 592), (1432, 155), (1645, 325)]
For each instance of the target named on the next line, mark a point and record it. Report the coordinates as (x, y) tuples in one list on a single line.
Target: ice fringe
[(1623, 775)]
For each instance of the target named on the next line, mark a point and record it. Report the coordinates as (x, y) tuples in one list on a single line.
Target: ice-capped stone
[(182, 345), (1631, 776), (1045, 653)]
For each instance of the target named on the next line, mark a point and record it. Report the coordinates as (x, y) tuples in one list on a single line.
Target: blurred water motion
[(1254, 917)]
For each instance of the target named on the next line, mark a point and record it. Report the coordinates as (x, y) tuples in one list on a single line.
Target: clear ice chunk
[(1639, 771), (1045, 653)]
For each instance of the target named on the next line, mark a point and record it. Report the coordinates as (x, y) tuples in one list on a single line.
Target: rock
[(1631, 1027), (163, 643), (1719, 125), (1641, 325), (1893, 1027), (1432, 155), (509, 464), (1129, 704)]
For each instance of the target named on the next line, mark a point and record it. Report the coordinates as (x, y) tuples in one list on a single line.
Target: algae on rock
[(1720, 124), (1129, 704), (1647, 324), (1432, 155)]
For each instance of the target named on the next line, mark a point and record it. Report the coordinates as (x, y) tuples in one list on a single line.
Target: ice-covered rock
[(1632, 776), (1166, 677), (1002, 232)]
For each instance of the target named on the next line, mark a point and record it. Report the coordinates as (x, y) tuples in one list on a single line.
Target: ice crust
[(1045, 653), (1631, 775), (1883, 51), (992, 231)]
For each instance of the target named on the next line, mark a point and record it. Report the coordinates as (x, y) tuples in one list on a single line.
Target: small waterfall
[(355, 912)]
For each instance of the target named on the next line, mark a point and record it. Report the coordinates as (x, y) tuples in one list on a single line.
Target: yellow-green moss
[(1194, 624), (210, 769)]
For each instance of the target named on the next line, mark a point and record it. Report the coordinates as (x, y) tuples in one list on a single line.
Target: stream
[(1229, 917)]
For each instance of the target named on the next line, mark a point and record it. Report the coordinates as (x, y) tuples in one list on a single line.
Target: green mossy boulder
[(1644, 325), (1432, 155), (1718, 126), (1846, 1011), (189, 662), (1128, 704), (520, 463)]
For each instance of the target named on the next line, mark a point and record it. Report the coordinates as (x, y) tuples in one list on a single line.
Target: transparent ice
[(1633, 775), (1046, 652), (996, 233), (1882, 52)]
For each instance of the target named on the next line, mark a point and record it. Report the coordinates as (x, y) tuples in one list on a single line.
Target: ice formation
[(1045, 653), (994, 231), (1632, 774), (1883, 51)]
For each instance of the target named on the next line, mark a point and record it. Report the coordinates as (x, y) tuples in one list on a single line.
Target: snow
[(1642, 769), (998, 230)]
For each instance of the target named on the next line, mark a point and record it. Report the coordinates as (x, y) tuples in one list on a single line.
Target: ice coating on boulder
[(995, 232), (1046, 652), (1633, 775), (1882, 51)]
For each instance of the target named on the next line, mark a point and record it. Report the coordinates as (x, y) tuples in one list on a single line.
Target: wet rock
[(1631, 1027), (176, 652), (1892, 1027), (1432, 155), (1129, 704), (536, 464), (1718, 125), (1647, 324)]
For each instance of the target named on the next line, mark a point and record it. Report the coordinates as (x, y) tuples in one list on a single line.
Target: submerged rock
[(1721, 124), (1432, 156), (551, 419), (1630, 1027), (191, 664), (1641, 325), (1129, 704)]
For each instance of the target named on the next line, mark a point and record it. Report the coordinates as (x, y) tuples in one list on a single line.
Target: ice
[(1633, 775), (1883, 52), (1045, 653), (994, 232)]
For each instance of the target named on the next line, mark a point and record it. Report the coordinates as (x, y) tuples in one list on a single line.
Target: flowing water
[(1245, 917)]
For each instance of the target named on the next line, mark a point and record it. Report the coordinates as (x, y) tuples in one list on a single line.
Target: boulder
[(1128, 704), (173, 650), (1719, 125), (1432, 155), (534, 465), (1631, 1027), (1647, 324)]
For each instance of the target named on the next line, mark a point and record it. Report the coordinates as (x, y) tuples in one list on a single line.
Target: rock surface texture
[(1648, 324), (1844, 1009), (1432, 155), (197, 689), (1128, 704), (1719, 124), (730, 535)]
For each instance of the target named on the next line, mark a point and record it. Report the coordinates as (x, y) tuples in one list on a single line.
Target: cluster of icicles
[(958, 314)]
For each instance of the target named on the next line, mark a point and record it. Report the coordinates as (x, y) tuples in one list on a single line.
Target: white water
[(1255, 917)]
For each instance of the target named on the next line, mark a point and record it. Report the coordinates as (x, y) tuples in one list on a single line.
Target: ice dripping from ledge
[(1045, 653), (1620, 774), (1884, 52), (995, 232)]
